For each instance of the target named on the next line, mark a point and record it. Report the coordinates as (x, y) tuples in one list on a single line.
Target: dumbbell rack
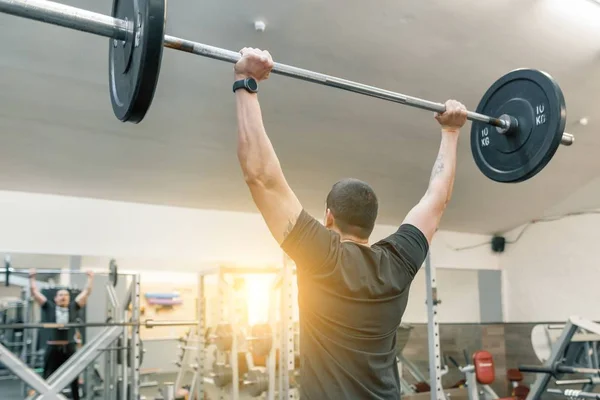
[(189, 346)]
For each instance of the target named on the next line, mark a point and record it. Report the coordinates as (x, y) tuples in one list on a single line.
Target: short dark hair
[(354, 205)]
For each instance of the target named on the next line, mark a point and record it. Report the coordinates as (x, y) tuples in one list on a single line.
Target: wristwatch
[(249, 84)]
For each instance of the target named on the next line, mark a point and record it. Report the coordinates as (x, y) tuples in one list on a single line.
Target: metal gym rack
[(225, 375), (121, 384), (575, 352)]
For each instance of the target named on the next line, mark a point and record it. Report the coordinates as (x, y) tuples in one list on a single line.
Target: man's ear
[(329, 219)]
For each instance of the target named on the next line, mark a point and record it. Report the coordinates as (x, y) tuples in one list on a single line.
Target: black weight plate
[(134, 64), (537, 102)]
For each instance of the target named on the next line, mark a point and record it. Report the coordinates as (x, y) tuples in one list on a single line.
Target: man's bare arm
[(426, 215), (35, 293), (82, 297), (262, 171)]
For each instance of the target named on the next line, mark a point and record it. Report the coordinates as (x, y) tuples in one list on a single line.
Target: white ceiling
[(58, 133)]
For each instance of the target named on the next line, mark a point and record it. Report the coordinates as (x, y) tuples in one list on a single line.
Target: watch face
[(252, 84)]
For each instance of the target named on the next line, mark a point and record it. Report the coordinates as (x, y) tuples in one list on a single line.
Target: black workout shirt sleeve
[(313, 247), (409, 245)]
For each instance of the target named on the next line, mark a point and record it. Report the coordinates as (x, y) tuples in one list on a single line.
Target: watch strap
[(239, 84), (248, 84)]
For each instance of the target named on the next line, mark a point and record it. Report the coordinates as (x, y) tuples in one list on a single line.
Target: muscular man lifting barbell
[(352, 295), (61, 343)]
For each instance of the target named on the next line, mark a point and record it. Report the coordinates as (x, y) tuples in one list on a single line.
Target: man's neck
[(354, 239)]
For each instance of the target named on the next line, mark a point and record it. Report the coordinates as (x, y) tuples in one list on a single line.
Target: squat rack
[(119, 340), (433, 333), (227, 377), (72, 368)]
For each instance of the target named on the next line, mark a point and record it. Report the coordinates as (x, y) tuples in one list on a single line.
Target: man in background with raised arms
[(61, 343)]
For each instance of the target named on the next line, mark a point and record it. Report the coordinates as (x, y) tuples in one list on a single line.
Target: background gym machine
[(575, 352), (234, 359), (119, 345)]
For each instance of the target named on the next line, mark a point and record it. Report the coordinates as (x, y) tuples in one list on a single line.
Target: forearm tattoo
[(438, 167)]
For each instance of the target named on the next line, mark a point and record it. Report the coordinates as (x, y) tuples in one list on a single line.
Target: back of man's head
[(354, 206)]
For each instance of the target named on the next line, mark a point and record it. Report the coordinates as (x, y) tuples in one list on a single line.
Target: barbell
[(575, 394), (557, 368), (113, 271), (517, 126), (52, 325)]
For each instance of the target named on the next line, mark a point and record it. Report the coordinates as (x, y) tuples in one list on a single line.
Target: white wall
[(147, 237), (553, 271), (48, 224), (457, 289)]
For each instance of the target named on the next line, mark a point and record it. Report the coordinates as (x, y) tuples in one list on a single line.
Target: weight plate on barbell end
[(134, 64), (534, 98), (113, 272)]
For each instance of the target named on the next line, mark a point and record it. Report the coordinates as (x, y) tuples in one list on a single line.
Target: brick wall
[(509, 344)]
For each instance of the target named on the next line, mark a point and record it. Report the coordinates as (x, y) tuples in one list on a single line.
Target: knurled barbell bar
[(513, 145), (575, 394), (557, 368), (113, 271)]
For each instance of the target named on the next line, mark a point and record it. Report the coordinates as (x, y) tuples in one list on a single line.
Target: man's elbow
[(262, 178)]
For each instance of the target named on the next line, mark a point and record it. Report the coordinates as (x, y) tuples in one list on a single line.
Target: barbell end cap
[(511, 125), (567, 139)]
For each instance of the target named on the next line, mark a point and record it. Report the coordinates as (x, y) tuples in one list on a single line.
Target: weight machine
[(576, 351), (480, 374)]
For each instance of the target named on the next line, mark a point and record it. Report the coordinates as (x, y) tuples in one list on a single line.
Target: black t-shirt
[(49, 309), (351, 301)]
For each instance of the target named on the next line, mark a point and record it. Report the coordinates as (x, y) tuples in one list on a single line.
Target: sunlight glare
[(258, 289)]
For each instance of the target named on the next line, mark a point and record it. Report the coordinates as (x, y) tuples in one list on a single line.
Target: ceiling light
[(260, 26)]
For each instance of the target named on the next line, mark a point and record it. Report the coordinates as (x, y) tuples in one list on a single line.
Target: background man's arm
[(262, 171), (426, 215), (35, 293), (82, 297)]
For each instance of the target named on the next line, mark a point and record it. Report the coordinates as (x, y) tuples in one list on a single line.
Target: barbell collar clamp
[(511, 124), (567, 139)]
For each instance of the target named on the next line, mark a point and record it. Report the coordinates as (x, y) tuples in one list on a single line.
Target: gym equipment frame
[(577, 334), (50, 389), (433, 333), (226, 375)]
